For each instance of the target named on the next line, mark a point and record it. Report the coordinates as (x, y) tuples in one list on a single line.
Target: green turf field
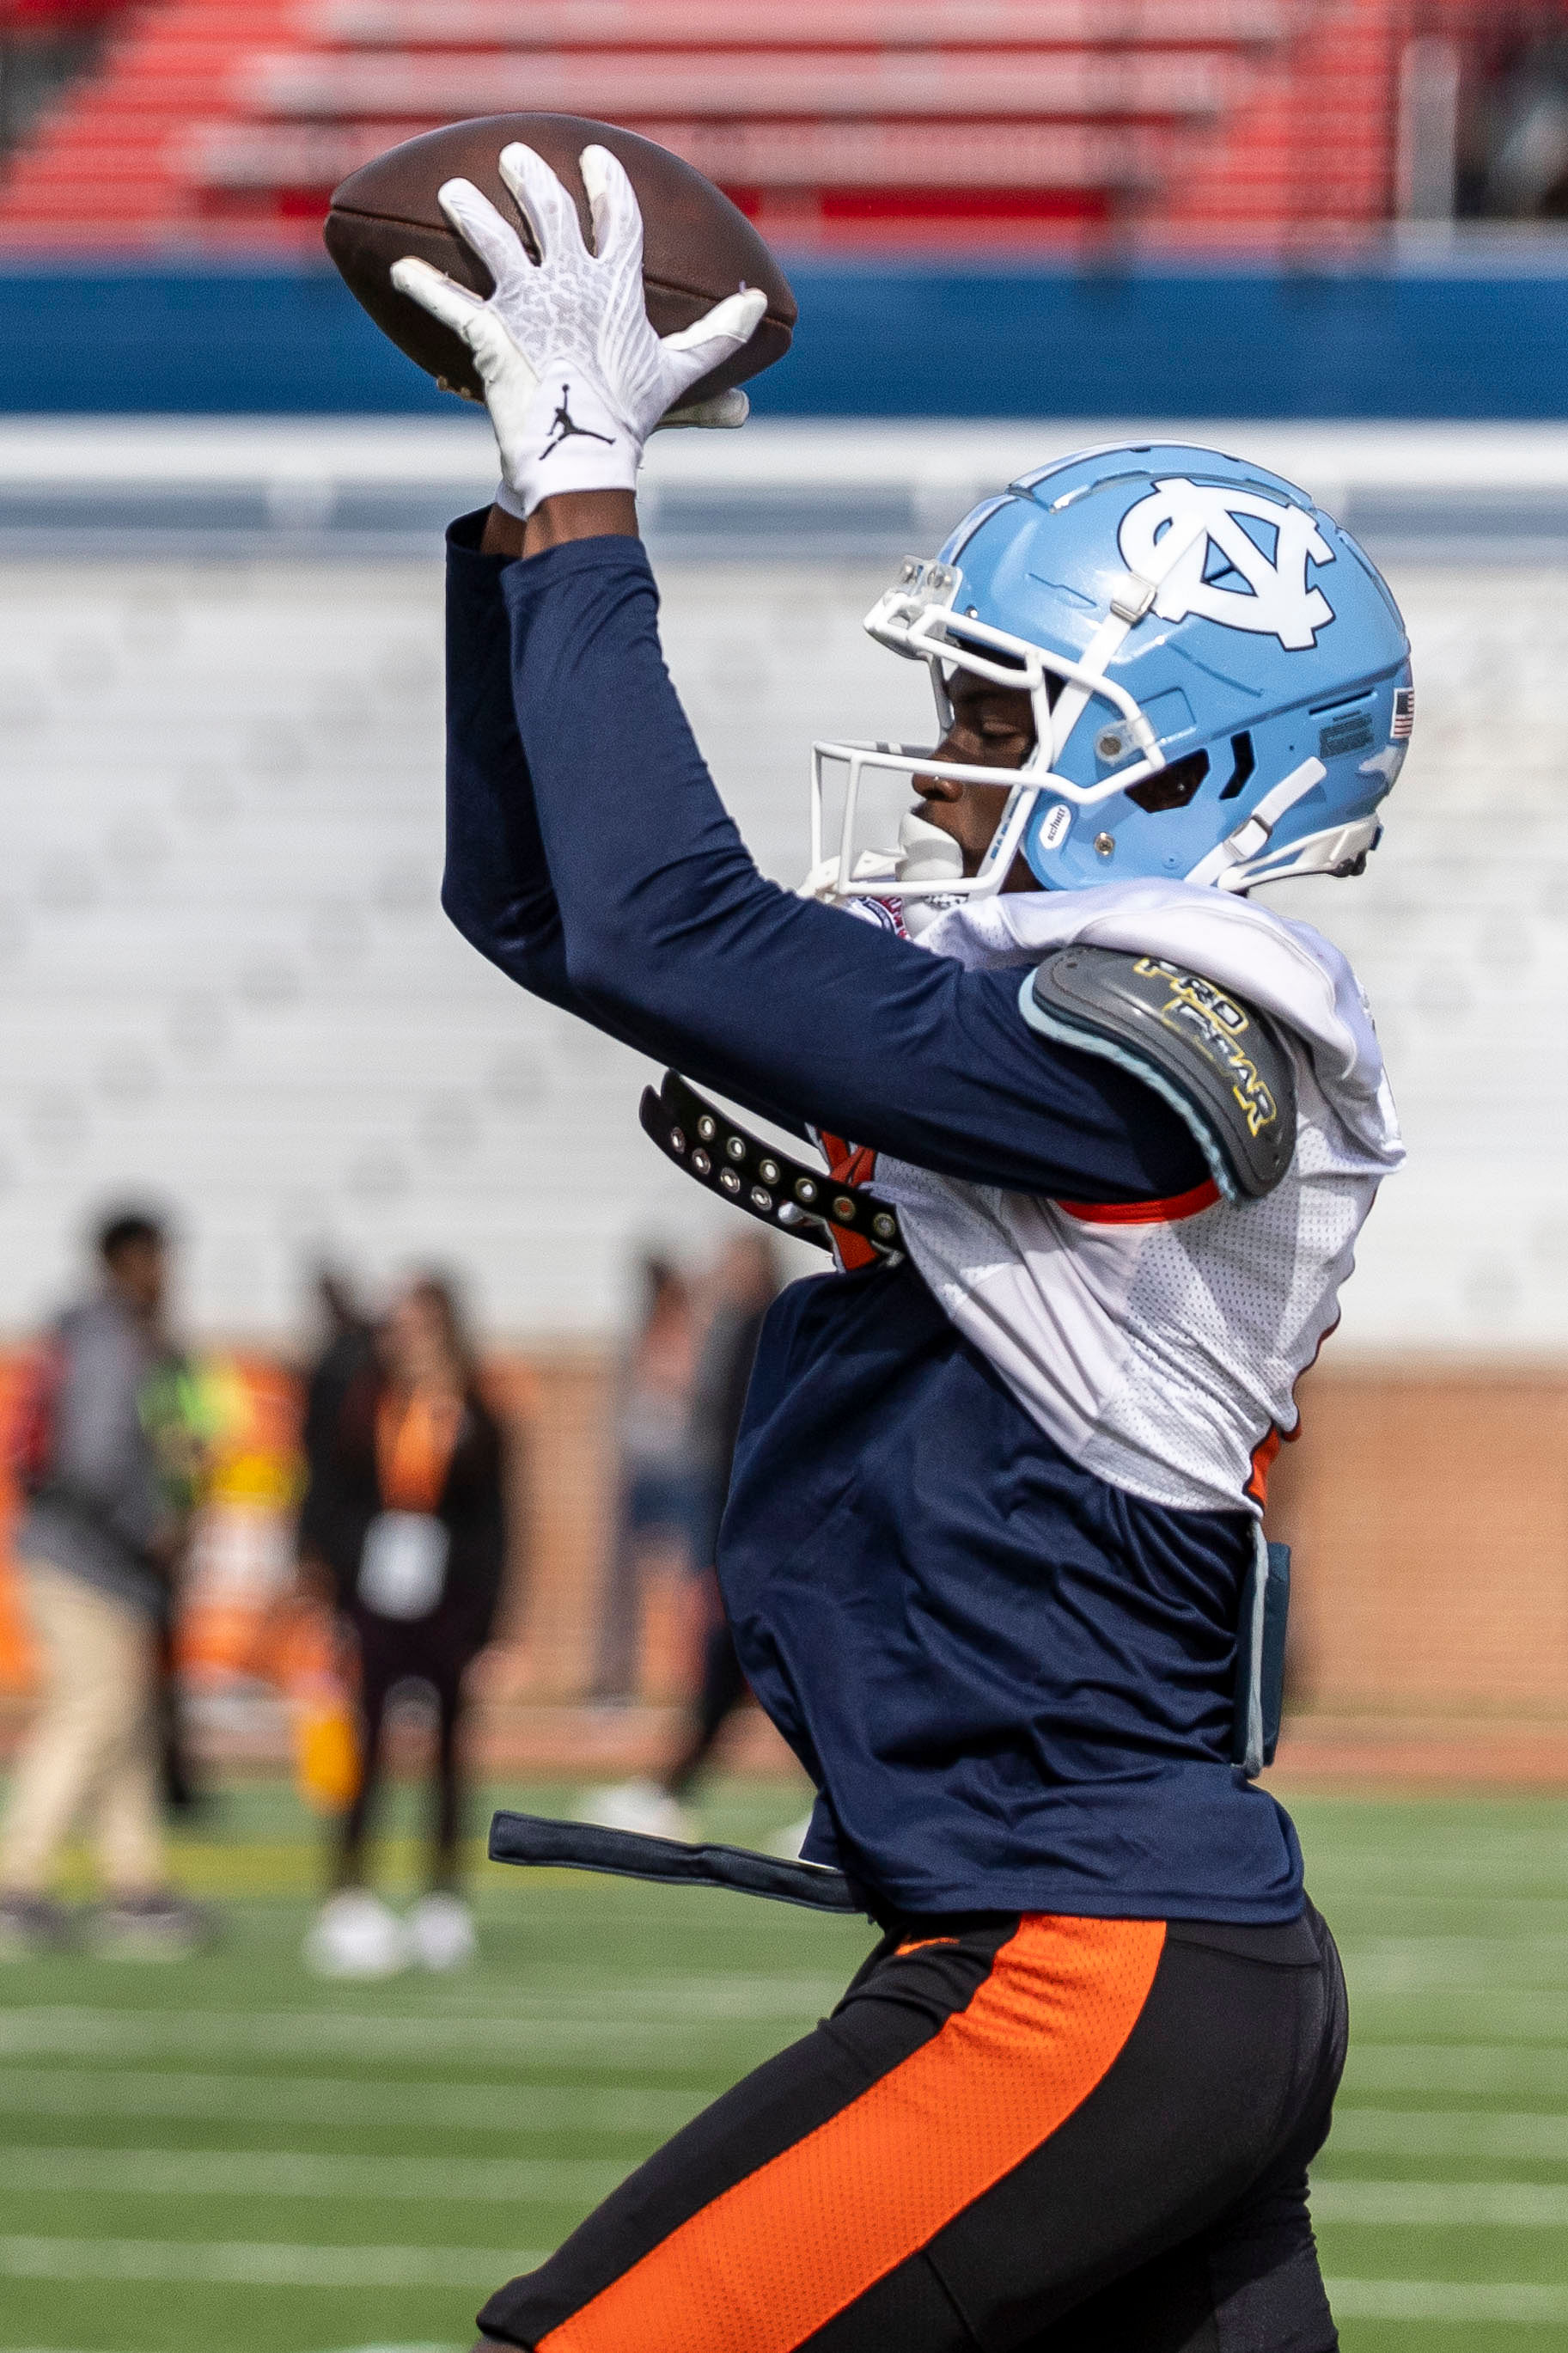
[(221, 2155)]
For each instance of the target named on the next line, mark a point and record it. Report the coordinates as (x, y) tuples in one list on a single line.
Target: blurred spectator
[(653, 1504), (316, 1668), (408, 1506), (44, 43), (109, 1455), (746, 1286), (347, 1343)]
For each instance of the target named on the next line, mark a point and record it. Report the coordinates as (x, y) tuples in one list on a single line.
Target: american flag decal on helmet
[(1404, 711)]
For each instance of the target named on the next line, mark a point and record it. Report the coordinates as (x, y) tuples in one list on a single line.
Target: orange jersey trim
[(1167, 1212), (1263, 1454), (771, 2258), (1268, 1445), (850, 1164)]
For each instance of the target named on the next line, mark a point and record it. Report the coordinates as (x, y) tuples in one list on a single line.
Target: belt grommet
[(706, 1129), (844, 1210), (805, 1189), (882, 1226), (736, 1148), (769, 1172), (729, 1181), (700, 1162)]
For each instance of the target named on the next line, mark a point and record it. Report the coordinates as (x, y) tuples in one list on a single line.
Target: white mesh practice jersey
[(1160, 1345)]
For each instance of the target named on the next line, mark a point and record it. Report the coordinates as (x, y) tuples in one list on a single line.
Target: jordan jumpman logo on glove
[(562, 428), (571, 368)]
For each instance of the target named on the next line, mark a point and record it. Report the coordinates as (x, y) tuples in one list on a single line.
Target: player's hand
[(574, 377)]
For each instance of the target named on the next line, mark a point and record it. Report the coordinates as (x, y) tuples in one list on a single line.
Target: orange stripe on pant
[(775, 2256)]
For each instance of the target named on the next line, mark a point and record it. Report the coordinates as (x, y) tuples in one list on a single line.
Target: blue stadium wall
[(889, 340)]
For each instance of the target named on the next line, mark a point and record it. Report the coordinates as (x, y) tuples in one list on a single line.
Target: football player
[(1100, 1134)]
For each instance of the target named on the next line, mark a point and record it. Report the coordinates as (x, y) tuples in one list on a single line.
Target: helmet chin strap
[(1253, 832)]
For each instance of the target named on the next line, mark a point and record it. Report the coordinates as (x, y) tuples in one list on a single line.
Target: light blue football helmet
[(1220, 680)]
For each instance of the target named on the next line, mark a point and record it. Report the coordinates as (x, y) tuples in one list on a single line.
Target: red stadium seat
[(793, 24), (834, 123)]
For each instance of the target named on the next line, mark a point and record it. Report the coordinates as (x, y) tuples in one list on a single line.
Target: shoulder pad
[(1217, 1061)]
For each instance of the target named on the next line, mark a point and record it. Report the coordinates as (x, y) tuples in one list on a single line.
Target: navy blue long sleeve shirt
[(590, 855), (1010, 1682)]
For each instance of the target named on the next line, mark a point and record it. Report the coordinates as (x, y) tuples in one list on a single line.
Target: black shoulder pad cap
[(1218, 1062)]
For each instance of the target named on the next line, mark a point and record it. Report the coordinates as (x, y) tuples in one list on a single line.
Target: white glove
[(574, 377)]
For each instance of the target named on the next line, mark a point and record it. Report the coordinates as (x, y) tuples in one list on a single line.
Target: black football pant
[(1031, 2135), (723, 1688), (393, 1651)]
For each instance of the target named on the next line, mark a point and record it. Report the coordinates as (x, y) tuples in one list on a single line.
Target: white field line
[(80, 2031), (1501, 1907), (294, 2173), (1511, 1965), (510, 2043), (268, 2263), (1450, 1869), (521, 2109), (1448, 2132), (618, 2012), (248, 2262), (1456, 2067), (738, 1997), (1437, 2205), (1464, 1945), (1448, 2300), (1496, 2011)]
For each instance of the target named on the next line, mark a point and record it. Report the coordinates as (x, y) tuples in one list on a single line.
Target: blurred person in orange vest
[(109, 1454), (326, 1756), (407, 1507)]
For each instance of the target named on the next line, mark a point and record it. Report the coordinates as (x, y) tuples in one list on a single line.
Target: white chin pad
[(927, 854)]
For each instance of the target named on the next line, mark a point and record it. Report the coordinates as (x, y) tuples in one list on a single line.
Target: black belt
[(629, 1855), (759, 1178)]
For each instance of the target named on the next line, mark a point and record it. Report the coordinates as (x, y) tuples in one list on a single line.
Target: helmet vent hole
[(1172, 787), (1245, 762)]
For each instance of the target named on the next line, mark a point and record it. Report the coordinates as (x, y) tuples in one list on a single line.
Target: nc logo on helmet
[(1275, 600)]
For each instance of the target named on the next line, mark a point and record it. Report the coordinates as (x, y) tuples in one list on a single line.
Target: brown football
[(696, 246)]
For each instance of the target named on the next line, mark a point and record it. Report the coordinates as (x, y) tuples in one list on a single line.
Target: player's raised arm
[(593, 858), (528, 341), (497, 888)]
